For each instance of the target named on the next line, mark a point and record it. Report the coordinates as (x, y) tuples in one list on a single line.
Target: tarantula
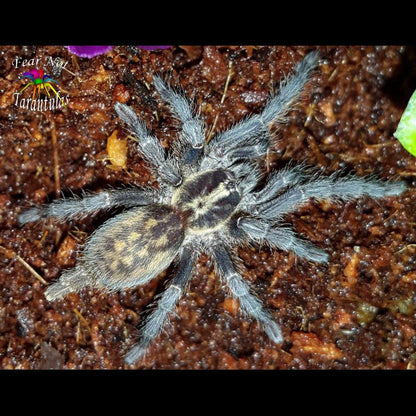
[(210, 199)]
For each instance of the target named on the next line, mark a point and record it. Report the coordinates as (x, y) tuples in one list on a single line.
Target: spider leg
[(152, 151), (192, 128), (27, 85), (45, 87), (76, 208), (257, 126), (71, 281), (332, 187), (248, 176), (283, 238), (249, 152), (56, 93), (275, 183), (240, 289), (157, 319)]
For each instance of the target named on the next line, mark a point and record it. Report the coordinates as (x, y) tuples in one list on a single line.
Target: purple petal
[(84, 51), (153, 47)]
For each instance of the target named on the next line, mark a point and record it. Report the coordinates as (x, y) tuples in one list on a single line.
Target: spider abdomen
[(208, 199), (134, 247)]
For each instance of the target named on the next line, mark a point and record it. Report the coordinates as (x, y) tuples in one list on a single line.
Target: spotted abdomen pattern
[(133, 247)]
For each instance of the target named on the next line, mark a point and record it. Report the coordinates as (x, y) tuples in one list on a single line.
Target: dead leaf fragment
[(117, 151)]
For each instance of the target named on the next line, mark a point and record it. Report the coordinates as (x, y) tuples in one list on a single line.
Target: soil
[(356, 312)]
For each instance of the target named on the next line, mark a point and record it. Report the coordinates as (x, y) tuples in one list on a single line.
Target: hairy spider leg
[(275, 183), (75, 208), (240, 290), (193, 131), (282, 238), (149, 146), (330, 187), (257, 126), (70, 281), (247, 176), (167, 301)]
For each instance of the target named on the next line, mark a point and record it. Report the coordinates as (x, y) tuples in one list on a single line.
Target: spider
[(212, 197), (40, 82)]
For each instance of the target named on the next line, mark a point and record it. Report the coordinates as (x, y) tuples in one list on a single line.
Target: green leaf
[(406, 130)]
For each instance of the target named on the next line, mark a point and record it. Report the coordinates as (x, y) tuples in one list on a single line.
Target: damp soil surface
[(358, 311)]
